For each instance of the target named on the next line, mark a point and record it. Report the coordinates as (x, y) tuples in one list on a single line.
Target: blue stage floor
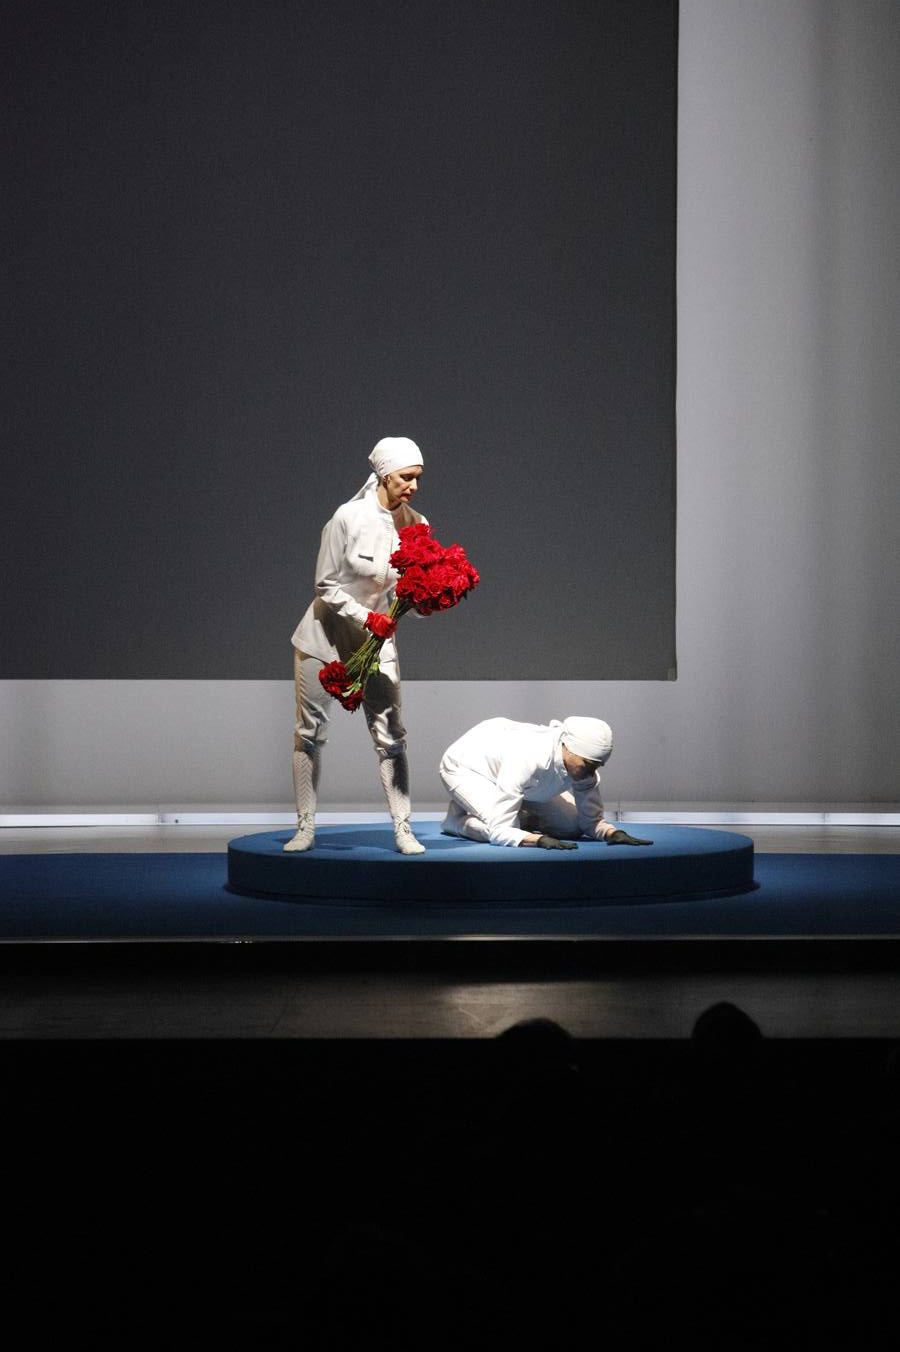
[(184, 896)]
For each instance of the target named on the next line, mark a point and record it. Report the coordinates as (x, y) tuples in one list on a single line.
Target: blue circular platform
[(359, 863)]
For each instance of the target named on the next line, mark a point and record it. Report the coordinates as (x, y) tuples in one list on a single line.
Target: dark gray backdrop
[(243, 241)]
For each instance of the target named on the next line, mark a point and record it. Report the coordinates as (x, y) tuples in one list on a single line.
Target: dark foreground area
[(529, 1190)]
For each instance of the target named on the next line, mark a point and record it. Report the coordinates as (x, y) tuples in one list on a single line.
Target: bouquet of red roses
[(432, 577)]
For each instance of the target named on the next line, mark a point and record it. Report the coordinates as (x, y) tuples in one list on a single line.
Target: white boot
[(306, 778), (394, 771)]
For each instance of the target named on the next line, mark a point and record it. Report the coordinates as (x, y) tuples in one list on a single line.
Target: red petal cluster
[(337, 681), (432, 576), (417, 545)]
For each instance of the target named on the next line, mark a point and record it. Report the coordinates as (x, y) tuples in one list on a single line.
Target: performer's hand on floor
[(551, 843), (621, 837), (382, 626)]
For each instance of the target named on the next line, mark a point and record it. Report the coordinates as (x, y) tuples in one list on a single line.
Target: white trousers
[(381, 707), (472, 800)]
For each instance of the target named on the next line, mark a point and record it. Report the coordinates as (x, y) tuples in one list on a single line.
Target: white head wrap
[(388, 454), (588, 737)]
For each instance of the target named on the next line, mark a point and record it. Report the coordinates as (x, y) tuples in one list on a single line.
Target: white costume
[(506, 779), (353, 577)]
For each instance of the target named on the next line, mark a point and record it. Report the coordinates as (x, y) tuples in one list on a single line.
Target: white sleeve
[(589, 805), (330, 565), (503, 822)]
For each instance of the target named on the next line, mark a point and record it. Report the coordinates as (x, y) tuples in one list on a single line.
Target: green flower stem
[(365, 661)]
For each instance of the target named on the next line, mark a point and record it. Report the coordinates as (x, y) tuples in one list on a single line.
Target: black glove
[(620, 837), (551, 843)]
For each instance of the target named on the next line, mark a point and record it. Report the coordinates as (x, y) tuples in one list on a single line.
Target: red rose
[(338, 682), (462, 583), (414, 586), (334, 678), (417, 545)]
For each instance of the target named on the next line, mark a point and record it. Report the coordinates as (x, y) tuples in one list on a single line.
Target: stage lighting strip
[(708, 817), (739, 818)]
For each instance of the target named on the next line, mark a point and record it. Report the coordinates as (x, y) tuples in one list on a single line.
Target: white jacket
[(523, 764), (353, 576)]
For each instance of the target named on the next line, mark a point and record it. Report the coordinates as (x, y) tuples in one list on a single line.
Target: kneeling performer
[(530, 784)]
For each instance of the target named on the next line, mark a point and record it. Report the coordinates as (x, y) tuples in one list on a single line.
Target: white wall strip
[(663, 816), (742, 818)]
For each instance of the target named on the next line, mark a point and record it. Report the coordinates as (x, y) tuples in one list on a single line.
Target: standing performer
[(354, 589), (530, 784)]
